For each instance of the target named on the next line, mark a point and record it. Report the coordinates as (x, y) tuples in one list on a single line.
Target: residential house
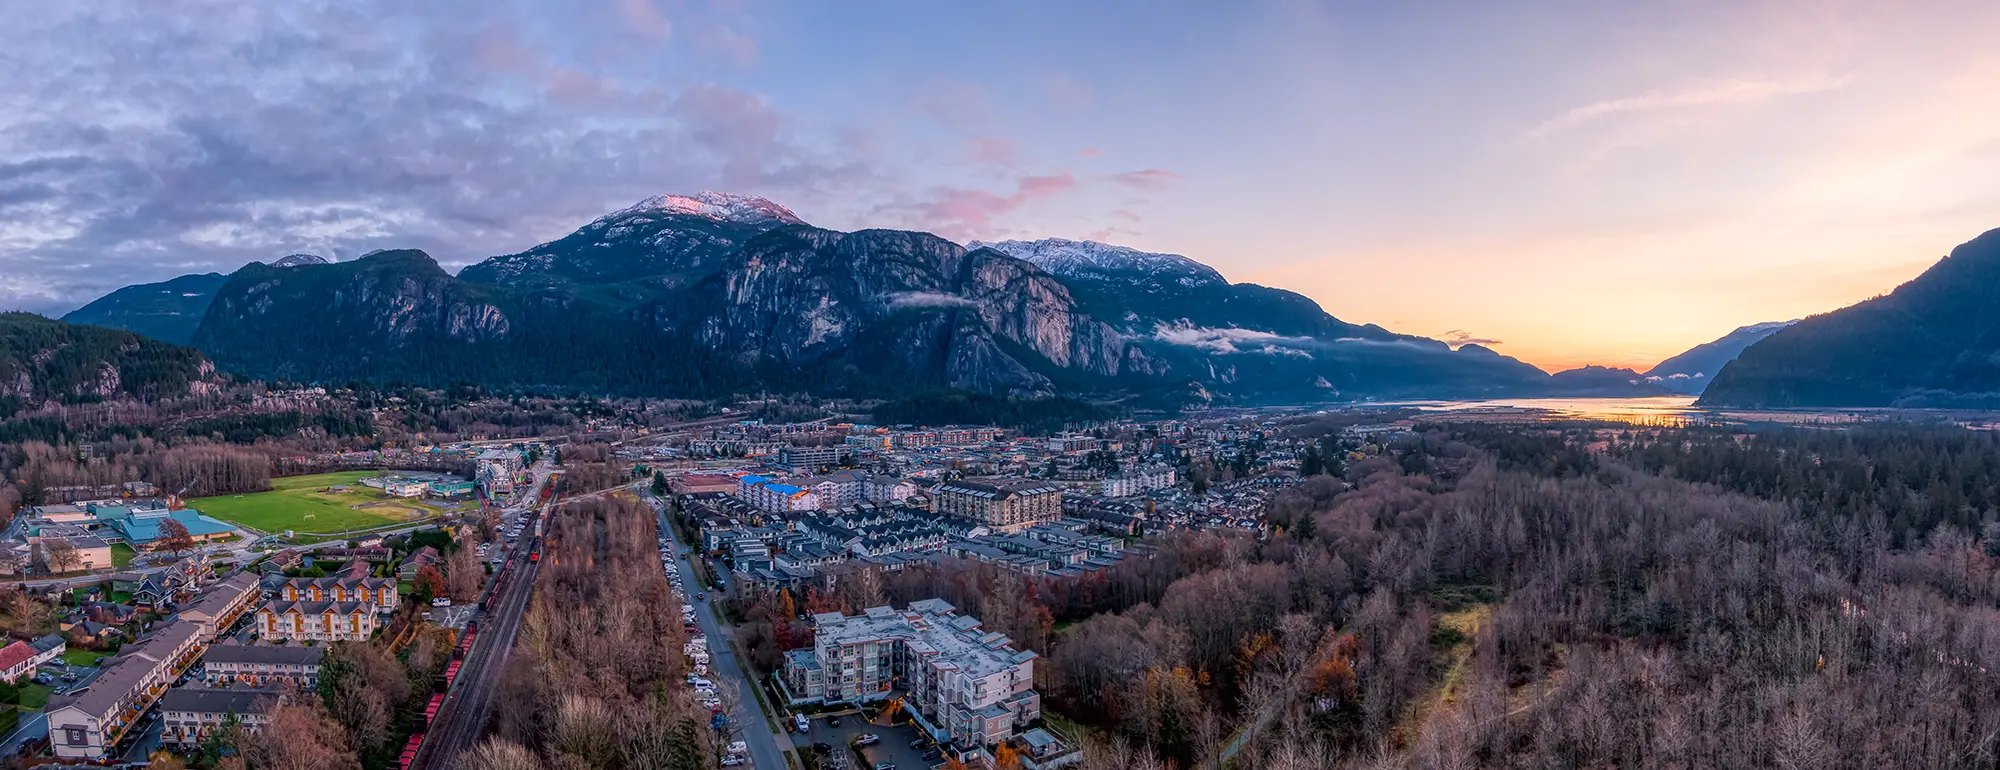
[(222, 604), (416, 561), (16, 660), (318, 621), (190, 715), (378, 593), (87, 723), (262, 664)]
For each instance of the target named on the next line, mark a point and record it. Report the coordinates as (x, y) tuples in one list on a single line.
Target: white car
[(737, 747)]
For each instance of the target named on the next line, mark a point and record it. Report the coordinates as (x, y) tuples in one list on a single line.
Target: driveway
[(894, 747)]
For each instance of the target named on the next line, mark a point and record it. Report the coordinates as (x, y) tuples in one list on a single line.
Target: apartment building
[(189, 716), (958, 682), (261, 665), (379, 593), (1137, 482), (88, 723), (315, 621), (222, 604), (1003, 504), (768, 494)]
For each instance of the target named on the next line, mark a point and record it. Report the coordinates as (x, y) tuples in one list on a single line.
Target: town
[(154, 626)]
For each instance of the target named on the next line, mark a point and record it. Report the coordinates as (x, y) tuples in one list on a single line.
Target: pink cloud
[(727, 43), (1125, 215), (567, 85), (1089, 152), (994, 150), (962, 212), (501, 50), (1147, 179), (644, 18)]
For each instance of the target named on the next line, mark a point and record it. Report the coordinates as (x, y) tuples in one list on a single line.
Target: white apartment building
[(959, 682)]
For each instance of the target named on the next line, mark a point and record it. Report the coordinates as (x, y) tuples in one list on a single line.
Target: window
[(75, 736)]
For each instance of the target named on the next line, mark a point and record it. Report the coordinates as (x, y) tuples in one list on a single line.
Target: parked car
[(731, 761), (867, 739), (833, 721), (885, 766), (823, 748), (799, 722), (919, 743), (737, 747), (932, 754)]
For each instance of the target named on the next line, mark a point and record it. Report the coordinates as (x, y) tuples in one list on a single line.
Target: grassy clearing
[(1453, 640), (76, 657), (121, 555), (302, 503), (34, 696)]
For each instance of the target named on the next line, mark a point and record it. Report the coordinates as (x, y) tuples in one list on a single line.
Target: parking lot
[(894, 748)]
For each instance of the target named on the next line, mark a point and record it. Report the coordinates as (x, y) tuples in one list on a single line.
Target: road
[(766, 747), (461, 721), (35, 724)]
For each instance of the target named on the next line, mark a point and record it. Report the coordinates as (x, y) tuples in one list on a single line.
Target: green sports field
[(299, 503)]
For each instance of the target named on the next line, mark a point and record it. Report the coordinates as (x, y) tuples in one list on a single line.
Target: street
[(766, 747)]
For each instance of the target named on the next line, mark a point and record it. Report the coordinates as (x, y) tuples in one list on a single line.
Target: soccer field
[(297, 503)]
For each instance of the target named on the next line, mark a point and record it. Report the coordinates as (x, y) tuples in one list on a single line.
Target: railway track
[(461, 719)]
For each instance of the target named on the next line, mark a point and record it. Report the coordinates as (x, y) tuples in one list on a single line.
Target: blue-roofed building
[(141, 528)]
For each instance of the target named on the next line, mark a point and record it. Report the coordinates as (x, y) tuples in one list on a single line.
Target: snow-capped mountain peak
[(296, 260), (718, 206), (1103, 261)]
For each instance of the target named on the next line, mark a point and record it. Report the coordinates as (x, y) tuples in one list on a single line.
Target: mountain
[(896, 310), (1093, 261), (1605, 381), (396, 316), (635, 253), (167, 311), (711, 294), (1934, 341), (1260, 342), (296, 260), (43, 360), (1690, 372)]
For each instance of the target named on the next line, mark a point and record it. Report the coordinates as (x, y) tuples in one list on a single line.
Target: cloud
[(338, 128), (1232, 340), (644, 18), (1147, 179), (1457, 337), (960, 213), (963, 106), (1089, 152), (927, 299), (1722, 92), (721, 41)]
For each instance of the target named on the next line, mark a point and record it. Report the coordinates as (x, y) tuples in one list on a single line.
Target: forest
[(586, 685), (1527, 597)]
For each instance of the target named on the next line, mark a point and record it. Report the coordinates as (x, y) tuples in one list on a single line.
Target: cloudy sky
[(1575, 181)]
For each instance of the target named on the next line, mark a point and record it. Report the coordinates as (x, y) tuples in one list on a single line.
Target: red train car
[(409, 758)]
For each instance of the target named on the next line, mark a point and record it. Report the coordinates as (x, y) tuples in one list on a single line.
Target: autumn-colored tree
[(429, 583), (953, 764), (174, 536), (1005, 757)]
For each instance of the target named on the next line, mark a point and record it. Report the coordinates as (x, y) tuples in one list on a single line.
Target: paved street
[(34, 724), (766, 748)]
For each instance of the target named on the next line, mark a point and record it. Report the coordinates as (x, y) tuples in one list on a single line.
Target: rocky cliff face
[(903, 302)]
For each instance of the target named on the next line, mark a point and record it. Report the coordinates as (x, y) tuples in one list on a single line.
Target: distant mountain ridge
[(714, 293), (1690, 372), (1933, 341)]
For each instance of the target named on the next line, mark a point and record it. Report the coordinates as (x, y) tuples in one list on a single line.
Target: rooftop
[(930, 628)]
